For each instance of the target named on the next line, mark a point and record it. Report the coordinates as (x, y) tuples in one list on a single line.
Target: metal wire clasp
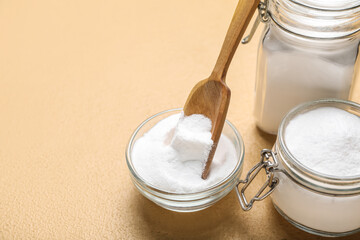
[(270, 167), (263, 17)]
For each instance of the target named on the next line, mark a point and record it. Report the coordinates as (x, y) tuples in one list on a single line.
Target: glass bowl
[(186, 202)]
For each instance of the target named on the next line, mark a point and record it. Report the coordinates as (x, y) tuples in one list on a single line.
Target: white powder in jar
[(326, 140), (171, 155), (292, 70)]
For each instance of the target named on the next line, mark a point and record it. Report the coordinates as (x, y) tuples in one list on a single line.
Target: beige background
[(76, 78)]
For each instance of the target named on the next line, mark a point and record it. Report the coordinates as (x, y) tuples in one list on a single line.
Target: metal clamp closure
[(270, 167), (263, 17), (263, 11)]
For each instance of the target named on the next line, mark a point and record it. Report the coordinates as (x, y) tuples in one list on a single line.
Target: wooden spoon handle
[(242, 16)]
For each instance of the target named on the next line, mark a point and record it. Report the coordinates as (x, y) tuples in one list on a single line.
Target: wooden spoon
[(211, 97)]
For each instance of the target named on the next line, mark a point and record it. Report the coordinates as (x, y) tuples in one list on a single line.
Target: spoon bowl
[(211, 97)]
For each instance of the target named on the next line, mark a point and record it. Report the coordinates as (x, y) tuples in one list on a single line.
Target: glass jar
[(314, 202), (186, 202), (308, 51)]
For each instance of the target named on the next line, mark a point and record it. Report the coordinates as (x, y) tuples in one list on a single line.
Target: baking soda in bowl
[(172, 154)]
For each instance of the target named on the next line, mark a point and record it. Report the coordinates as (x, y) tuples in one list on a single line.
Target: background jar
[(308, 51)]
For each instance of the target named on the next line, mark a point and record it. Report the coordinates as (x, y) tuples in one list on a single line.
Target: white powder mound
[(171, 155), (326, 140), (192, 138)]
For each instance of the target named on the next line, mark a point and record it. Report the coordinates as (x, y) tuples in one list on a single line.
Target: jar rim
[(212, 188), (294, 161), (310, 20), (307, 5), (283, 28)]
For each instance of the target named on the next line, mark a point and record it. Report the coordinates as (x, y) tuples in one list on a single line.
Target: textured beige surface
[(76, 78)]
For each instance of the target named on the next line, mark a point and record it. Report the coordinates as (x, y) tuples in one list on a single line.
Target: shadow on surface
[(205, 224), (268, 138)]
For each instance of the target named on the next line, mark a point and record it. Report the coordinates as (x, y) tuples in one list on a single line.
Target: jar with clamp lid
[(308, 51), (318, 203)]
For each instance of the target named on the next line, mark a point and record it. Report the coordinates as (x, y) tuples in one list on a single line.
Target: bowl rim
[(212, 188)]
